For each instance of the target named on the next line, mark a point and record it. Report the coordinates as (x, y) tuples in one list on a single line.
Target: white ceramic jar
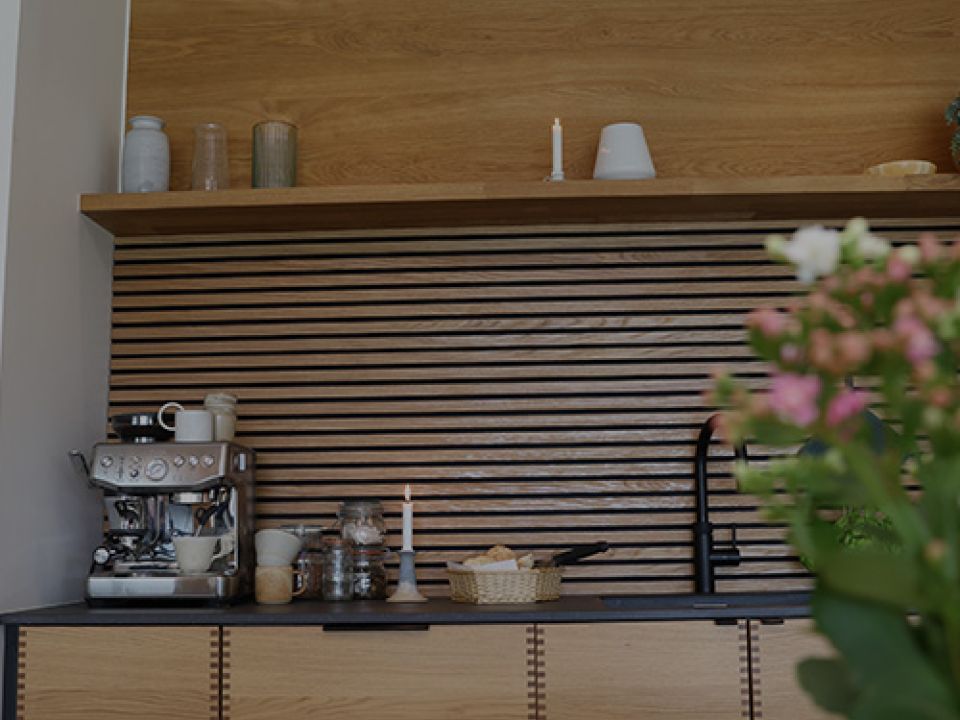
[(146, 156), (223, 406)]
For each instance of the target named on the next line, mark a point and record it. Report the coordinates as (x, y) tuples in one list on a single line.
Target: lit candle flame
[(406, 492)]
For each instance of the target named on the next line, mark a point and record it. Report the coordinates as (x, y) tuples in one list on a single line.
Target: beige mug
[(275, 584), (195, 554)]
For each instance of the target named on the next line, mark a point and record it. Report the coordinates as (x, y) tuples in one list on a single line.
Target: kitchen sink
[(716, 601)]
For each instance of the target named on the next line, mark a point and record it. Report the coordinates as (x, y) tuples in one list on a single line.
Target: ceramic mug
[(275, 584), (195, 554), (623, 154), (188, 425), (277, 547)]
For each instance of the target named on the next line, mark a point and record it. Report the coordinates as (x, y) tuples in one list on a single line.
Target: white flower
[(815, 251), (872, 247)]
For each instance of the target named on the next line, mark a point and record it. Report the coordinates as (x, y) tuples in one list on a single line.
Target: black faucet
[(706, 555)]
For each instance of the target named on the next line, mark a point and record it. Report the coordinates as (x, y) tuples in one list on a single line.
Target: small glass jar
[(369, 573), (361, 522), (338, 577), (310, 564)]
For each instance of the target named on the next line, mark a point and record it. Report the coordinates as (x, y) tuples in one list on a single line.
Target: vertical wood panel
[(433, 90)]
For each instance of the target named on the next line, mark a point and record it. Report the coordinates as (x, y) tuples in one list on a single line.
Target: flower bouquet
[(873, 506)]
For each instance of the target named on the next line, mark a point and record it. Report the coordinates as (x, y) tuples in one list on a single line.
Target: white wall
[(56, 293), (9, 35)]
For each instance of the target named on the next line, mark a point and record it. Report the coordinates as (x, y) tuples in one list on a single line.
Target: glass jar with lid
[(361, 522), (338, 576), (369, 573)]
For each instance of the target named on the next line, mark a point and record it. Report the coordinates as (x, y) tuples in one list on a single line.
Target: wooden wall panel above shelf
[(459, 205)]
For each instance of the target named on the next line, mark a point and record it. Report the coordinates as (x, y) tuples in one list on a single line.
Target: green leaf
[(893, 677), (829, 682), (881, 577)]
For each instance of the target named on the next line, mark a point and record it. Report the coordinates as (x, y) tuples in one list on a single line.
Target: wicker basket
[(507, 586)]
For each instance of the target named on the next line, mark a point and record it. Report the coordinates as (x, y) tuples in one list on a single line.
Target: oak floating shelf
[(459, 205)]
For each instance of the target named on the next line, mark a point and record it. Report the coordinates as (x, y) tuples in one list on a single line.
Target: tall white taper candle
[(557, 135), (407, 521)]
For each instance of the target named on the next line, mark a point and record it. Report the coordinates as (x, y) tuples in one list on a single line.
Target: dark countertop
[(573, 609)]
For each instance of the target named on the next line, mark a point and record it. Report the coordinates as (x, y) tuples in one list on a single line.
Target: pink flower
[(845, 405), (921, 344), (930, 248), (791, 354), (854, 348), (771, 323), (898, 269), (794, 398)]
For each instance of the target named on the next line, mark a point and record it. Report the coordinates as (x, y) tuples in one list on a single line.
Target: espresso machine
[(155, 492)]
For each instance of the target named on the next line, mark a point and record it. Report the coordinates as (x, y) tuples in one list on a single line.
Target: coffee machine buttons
[(193, 460), (208, 460), (157, 470), (179, 460), (134, 473), (106, 461)]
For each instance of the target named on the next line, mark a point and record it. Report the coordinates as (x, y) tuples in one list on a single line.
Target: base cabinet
[(664, 670), (776, 651), (652, 670), (440, 673), (118, 673)]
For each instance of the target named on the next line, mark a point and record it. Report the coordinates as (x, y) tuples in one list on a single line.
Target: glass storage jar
[(337, 581), (361, 522), (310, 564), (369, 573)]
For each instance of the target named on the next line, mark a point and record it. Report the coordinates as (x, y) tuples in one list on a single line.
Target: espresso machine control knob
[(101, 556), (157, 469)]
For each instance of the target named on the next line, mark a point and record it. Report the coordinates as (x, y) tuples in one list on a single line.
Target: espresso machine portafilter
[(155, 492)]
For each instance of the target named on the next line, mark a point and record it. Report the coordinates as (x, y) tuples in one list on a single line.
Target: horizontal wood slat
[(540, 391)]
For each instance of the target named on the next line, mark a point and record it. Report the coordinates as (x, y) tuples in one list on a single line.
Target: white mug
[(277, 547), (189, 425), (195, 553), (623, 154)]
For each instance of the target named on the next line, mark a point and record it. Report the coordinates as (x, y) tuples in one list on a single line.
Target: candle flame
[(406, 492), (556, 121)]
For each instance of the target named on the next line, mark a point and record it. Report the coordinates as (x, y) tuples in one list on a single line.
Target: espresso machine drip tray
[(171, 586)]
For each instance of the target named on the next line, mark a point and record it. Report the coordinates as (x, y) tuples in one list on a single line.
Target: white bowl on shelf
[(901, 168)]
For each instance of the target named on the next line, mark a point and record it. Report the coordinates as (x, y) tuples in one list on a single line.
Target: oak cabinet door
[(443, 673), (644, 671), (118, 673), (777, 650)]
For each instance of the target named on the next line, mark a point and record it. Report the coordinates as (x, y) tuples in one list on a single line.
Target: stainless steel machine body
[(154, 492)]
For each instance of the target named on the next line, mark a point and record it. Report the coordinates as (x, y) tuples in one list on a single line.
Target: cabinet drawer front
[(625, 671), (118, 673), (469, 673), (779, 649)]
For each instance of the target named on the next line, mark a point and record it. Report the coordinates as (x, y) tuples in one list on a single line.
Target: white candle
[(407, 521), (557, 134)]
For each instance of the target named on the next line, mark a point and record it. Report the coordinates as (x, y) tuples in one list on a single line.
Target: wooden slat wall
[(540, 389), (445, 91)]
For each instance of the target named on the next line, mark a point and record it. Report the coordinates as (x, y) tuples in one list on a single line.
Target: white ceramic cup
[(188, 425), (195, 554), (623, 154), (276, 547)]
